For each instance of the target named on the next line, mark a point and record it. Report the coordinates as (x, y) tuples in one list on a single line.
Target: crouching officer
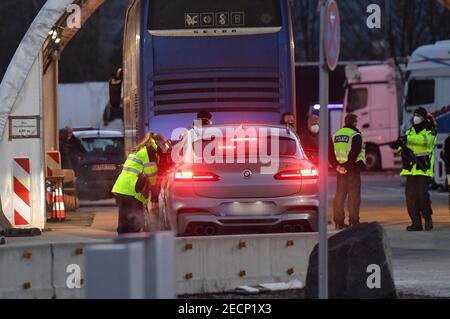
[(133, 186), (416, 148), (350, 154)]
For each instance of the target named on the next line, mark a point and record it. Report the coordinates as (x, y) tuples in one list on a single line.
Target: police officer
[(204, 117), (418, 167), (309, 138), (350, 156), (132, 187), (288, 119)]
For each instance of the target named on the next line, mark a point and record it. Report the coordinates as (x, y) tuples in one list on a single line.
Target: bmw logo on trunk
[(247, 174)]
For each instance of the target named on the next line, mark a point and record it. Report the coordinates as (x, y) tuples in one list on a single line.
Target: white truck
[(374, 93), (428, 85)]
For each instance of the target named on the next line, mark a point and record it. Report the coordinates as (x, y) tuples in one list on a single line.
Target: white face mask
[(314, 128), (417, 120)]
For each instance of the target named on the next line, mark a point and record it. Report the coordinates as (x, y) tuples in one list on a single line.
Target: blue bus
[(233, 58)]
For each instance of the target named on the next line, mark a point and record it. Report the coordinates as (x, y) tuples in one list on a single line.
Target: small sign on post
[(24, 127)]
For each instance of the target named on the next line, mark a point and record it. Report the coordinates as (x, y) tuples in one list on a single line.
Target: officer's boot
[(428, 223), (414, 228)]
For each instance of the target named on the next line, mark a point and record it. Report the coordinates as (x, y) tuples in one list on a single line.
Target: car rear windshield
[(103, 145), (188, 14)]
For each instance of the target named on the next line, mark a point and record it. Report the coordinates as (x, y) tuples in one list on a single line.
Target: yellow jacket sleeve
[(420, 139)]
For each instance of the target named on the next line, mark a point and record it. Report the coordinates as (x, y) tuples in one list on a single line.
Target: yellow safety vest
[(136, 164), (422, 144), (342, 142)]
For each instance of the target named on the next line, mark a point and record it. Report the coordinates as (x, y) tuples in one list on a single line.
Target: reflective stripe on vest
[(134, 159), (131, 170)]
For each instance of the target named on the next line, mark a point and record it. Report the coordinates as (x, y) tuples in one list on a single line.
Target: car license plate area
[(103, 167), (248, 209)]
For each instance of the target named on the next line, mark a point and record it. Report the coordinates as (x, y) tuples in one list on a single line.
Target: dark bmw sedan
[(100, 164)]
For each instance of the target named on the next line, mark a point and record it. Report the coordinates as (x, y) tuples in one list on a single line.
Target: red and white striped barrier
[(53, 162), (22, 193)]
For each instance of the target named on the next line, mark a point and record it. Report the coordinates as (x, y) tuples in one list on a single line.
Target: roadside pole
[(323, 161), (330, 44)]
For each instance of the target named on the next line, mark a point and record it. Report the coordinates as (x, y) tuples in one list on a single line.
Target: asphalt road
[(421, 260)]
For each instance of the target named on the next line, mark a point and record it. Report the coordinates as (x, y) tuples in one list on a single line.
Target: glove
[(401, 141)]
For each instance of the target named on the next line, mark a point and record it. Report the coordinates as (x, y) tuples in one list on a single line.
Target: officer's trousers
[(347, 184), (418, 200), (131, 214)]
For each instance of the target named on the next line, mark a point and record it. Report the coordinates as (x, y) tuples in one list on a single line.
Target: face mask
[(417, 120), (314, 128)]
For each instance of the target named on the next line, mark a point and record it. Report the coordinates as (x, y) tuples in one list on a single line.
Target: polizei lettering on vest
[(341, 139), (189, 309)]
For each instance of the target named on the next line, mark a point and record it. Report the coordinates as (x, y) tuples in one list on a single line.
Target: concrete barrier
[(26, 272), (202, 264), (223, 263), (135, 266), (68, 263)]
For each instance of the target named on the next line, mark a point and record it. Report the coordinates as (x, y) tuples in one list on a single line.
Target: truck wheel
[(373, 159)]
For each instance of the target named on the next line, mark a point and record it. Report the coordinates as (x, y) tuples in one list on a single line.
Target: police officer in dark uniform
[(349, 151)]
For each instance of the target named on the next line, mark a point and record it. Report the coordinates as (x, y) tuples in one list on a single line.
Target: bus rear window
[(420, 92), (213, 14)]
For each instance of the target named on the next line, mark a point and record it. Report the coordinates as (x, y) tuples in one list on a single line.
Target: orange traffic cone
[(58, 210)]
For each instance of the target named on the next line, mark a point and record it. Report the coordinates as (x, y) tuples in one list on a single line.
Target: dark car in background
[(99, 164)]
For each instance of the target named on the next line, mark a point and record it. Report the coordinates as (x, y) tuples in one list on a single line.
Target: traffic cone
[(58, 211), (49, 195)]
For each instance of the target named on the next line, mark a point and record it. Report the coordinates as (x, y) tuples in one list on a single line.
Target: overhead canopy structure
[(37, 39), (22, 92)]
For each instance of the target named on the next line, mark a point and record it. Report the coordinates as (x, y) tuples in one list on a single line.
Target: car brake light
[(243, 139), (227, 147), (190, 176), (305, 173), (309, 173)]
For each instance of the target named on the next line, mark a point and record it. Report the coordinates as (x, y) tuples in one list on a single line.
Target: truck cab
[(428, 86), (374, 94)]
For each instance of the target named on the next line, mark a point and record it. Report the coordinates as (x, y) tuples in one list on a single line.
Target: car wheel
[(373, 159)]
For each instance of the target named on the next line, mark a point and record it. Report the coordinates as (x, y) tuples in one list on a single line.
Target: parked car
[(100, 164), (201, 198)]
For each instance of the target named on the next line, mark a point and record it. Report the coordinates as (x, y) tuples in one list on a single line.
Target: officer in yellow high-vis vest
[(132, 187), (349, 152), (416, 147)]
